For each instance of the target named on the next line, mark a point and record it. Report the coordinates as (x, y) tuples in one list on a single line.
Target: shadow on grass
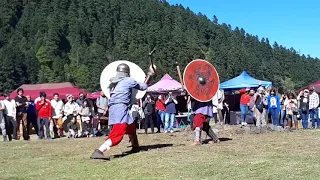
[(143, 148), (221, 140)]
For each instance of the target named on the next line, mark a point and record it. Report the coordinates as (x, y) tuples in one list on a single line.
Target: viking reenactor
[(121, 89), (203, 114), (201, 80)]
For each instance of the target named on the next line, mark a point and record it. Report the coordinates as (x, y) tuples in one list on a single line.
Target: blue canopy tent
[(242, 81)]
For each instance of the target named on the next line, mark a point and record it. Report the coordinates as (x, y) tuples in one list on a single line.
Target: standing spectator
[(283, 109), (80, 100), (148, 109), (71, 108), (102, 105), (31, 115), (170, 112), (244, 105), (161, 111), (291, 106), (215, 104), (10, 117), (57, 110), (44, 109), (274, 107), (22, 104), (303, 98), (3, 122), (259, 110), (74, 127), (313, 107), (251, 105), (220, 93), (190, 114), (226, 112)]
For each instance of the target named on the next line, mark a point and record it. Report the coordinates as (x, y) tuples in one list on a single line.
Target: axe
[(180, 77)]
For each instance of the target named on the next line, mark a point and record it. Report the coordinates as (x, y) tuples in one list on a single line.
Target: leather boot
[(134, 143), (296, 124), (290, 123), (97, 154)]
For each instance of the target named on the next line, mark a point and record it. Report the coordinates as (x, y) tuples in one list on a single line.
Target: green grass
[(294, 155)]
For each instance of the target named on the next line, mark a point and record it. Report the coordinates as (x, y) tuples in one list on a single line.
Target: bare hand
[(152, 68)]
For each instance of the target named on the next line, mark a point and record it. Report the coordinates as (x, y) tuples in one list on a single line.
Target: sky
[(291, 23)]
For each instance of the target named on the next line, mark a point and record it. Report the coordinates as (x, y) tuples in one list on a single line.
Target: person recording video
[(170, 112)]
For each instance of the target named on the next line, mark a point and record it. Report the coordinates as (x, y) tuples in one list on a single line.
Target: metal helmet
[(123, 68)]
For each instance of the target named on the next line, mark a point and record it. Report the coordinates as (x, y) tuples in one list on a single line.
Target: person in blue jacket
[(31, 115), (274, 107)]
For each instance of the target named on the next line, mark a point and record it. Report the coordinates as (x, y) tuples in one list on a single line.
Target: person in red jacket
[(161, 111), (44, 115), (244, 105)]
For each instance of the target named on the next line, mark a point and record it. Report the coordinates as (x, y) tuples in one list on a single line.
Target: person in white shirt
[(10, 112), (313, 107), (71, 109), (220, 105), (57, 109), (215, 104), (3, 122)]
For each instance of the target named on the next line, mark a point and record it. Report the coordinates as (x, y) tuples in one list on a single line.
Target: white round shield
[(110, 71)]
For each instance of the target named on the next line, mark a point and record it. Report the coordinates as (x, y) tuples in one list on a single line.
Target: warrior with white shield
[(121, 89)]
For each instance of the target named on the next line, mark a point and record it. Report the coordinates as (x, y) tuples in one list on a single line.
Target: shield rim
[(134, 95), (184, 72)]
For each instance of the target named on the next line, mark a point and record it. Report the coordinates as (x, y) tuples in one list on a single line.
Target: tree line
[(62, 40)]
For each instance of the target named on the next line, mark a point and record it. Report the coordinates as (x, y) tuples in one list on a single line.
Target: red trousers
[(119, 130), (198, 120)]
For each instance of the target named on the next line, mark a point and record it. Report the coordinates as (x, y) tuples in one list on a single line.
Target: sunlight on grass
[(249, 156)]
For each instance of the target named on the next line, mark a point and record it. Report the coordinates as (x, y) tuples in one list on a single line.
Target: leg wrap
[(206, 128)]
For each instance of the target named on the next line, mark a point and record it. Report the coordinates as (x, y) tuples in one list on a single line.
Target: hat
[(69, 95), (306, 90), (260, 88), (247, 89), (43, 94)]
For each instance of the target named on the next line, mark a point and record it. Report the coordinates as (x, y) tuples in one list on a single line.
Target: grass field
[(294, 155)]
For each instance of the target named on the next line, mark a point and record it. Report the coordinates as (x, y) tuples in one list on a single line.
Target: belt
[(120, 103)]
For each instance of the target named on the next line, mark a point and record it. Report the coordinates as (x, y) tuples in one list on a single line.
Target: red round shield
[(201, 80)]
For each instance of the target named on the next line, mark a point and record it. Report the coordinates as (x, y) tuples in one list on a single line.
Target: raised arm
[(175, 101)]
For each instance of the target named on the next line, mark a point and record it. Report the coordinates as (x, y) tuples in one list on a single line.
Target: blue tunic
[(120, 99)]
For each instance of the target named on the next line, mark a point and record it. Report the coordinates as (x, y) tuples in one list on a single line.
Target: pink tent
[(93, 95), (167, 83), (63, 89)]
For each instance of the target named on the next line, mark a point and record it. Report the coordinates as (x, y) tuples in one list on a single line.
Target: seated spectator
[(71, 109), (87, 129), (85, 111), (74, 127)]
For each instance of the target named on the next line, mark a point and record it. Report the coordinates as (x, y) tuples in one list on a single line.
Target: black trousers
[(148, 119), (11, 127), (32, 119), (226, 115)]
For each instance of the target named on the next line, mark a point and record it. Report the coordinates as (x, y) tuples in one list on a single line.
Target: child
[(74, 127)]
